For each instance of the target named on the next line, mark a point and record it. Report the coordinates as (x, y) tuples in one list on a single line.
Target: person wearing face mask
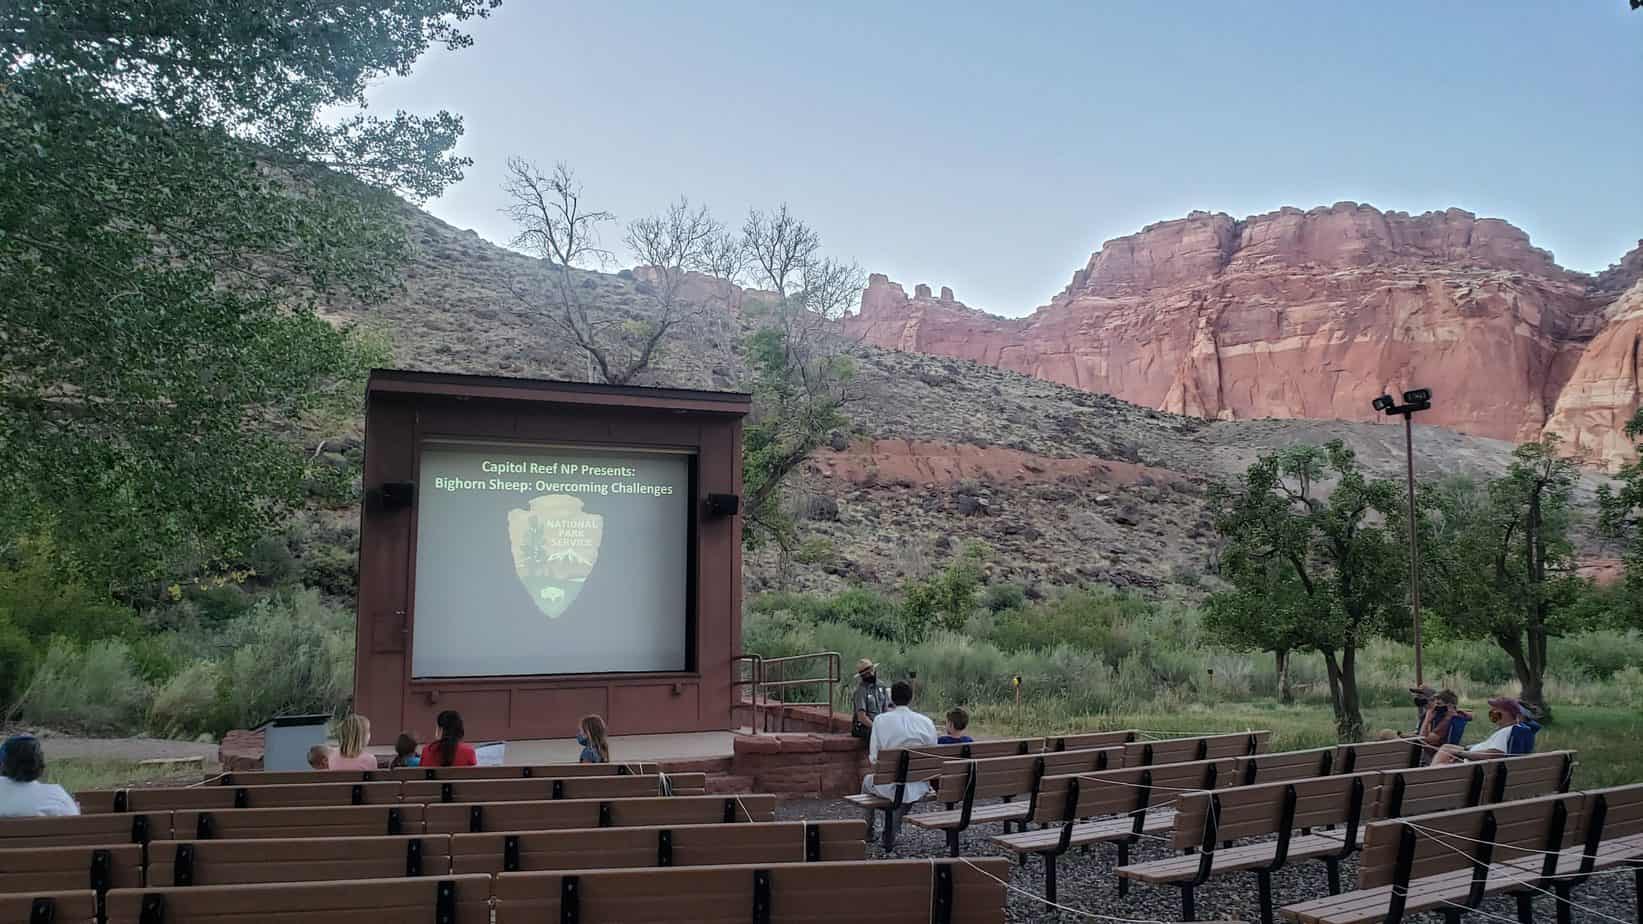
[(590, 734), (870, 700)]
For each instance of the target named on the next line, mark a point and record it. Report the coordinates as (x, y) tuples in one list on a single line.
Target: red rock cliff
[(1307, 314)]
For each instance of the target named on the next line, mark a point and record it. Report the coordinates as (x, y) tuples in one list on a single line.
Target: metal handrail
[(762, 683)]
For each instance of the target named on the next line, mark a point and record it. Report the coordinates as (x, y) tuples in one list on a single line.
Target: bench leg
[(1333, 865), (1564, 910), (1189, 911), (1263, 888), (872, 823), (1123, 860), (1525, 908), (1022, 858), (1049, 875), (887, 839), (1637, 889), (952, 843)]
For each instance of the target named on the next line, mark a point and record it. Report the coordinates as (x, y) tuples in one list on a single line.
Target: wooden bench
[(684, 845), (520, 771), (164, 799), (74, 906), (319, 821), (1205, 747), (66, 869), (1376, 755), (1008, 779), (901, 891), (446, 899), (83, 830), (476, 817), (900, 766), (1450, 861), (1124, 804), (308, 859), (1107, 739), (542, 788), (1424, 790), (1204, 820)]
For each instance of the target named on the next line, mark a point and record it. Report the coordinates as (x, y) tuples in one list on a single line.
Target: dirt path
[(124, 749)]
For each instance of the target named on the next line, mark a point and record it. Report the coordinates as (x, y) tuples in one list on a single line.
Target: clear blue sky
[(992, 147)]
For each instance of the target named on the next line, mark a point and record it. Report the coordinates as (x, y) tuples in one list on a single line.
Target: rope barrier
[(1502, 871), (1056, 905)]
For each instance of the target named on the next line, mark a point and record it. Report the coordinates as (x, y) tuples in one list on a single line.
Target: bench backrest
[(524, 771), (1204, 818), (924, 763), (319, 821), (1008, 777), (539, 788), (1422, 790), (597, 813), (1204, 747), (1113, 792), (449, 899), (89, 830), (1622, 810), (1105, 739), (308, 859), (1284, 765), (63, 907), (163, 799), (1534, 775), (964, 891), (1376, 755), (684, 845), (1427, 845), (520, 771), (50, 869)]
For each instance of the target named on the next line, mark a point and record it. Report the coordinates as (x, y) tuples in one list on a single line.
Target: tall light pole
[(1419, 399)]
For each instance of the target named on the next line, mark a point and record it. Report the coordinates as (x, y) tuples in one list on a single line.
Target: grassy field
[(76, 775), (1609, 741)]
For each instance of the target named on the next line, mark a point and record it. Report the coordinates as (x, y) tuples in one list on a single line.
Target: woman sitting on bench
[(22, 795)]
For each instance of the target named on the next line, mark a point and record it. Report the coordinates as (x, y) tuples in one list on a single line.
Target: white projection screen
[(547, 560)]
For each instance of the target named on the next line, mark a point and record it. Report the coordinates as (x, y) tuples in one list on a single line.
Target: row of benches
[(383, 820), (939, 892), (1017, 781), (230, 862), (291, 795), (404, 774), (1124, 806), (898, 767), (1450, 861)]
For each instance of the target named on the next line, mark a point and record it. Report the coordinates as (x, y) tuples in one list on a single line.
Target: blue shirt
[(949, 739), (590, 756)]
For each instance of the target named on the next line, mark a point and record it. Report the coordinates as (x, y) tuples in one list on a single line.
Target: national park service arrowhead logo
[(555, 545)]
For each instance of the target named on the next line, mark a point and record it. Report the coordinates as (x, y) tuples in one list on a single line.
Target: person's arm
[(860, 701), (873, 745)]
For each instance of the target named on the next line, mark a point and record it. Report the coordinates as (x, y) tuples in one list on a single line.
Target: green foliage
[(998, 598), (94, 689), (192, 703), (1309, 571), (17, 653), (1098, 620), (1622, 518), (169, 223), (944, 600), (332, 570), (1503, 562), (291, 653)]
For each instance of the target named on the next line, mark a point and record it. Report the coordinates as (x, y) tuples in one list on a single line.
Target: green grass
[(1609, 740), (78, 775)]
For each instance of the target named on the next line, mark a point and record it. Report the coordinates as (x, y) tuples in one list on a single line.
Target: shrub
[(291, 653), (1597, 655), (331, 569), (16, 663), (1000, 597), (95, 689), (1629, 685), (191, 703)]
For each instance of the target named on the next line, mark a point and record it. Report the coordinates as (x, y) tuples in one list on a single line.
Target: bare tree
[(672, 245), (724, 257), (804, 375)]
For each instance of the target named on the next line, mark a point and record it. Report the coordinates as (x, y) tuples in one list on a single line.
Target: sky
[(992, 147)]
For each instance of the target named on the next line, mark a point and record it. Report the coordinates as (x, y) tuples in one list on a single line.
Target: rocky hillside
[(1310, 315), (1065, 485)]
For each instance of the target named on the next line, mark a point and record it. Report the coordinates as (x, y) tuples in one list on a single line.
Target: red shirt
[(433, 755)]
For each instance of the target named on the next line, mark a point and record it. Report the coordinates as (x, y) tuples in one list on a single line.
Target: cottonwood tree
[(803, 375), (1621, 517), (175, 204), (1326, 567), (1503, 563)]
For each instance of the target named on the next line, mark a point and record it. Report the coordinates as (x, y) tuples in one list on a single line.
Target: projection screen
[(548, 560)]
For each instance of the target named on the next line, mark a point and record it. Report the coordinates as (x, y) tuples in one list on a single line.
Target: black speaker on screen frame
[(723, 505)]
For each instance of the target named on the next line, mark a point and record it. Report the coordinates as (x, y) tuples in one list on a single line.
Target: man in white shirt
[(1506, 714), (22, 795), (901, 727)]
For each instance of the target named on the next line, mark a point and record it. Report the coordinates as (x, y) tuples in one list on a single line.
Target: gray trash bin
[(287, 738)]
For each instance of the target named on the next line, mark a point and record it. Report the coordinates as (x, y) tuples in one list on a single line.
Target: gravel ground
[(1087, 883)]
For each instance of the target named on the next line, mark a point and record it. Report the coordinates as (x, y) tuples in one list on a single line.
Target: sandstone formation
[(1312, 314)]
